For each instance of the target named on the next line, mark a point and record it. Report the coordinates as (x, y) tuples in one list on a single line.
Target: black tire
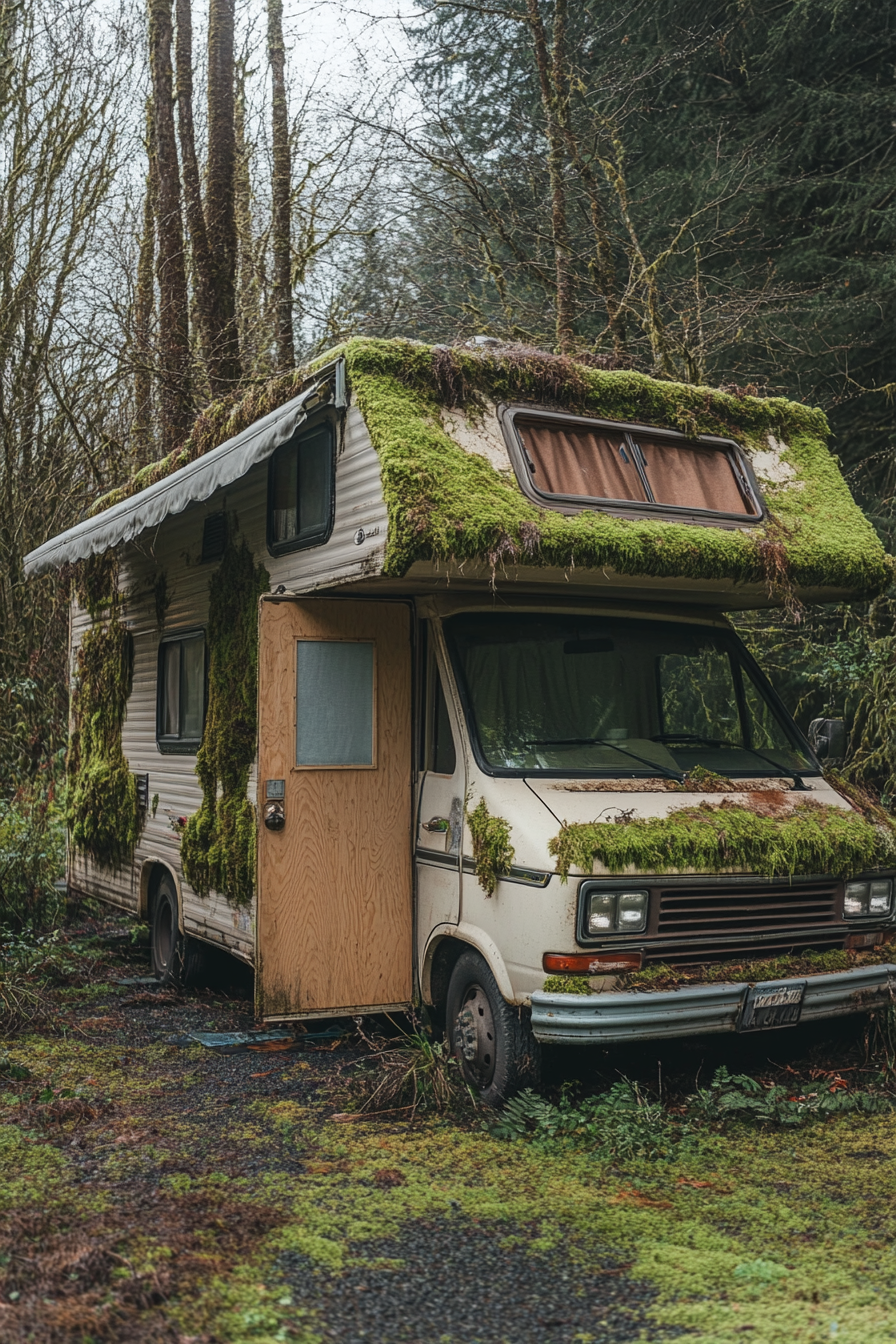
[(177, 960), (491, 1041)]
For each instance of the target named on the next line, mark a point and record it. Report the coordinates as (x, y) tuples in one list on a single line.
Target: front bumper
[(697, 1009)]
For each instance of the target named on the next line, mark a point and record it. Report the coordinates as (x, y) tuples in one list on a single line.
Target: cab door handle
[(438, 824)]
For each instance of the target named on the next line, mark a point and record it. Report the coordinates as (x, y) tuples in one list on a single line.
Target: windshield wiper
[(798, 782), (603, 742)]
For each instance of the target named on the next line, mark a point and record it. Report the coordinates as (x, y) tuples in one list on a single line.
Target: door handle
[(438, 824)]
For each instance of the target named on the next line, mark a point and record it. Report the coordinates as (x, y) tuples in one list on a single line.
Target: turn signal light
[(587, 963)]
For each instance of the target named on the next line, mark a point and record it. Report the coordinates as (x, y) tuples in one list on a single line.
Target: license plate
[(772, 1005)]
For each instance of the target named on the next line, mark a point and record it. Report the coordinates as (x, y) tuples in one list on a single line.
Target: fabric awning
[(189, 485)]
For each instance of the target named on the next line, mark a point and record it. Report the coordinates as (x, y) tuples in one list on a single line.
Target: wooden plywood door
[(334, 886)]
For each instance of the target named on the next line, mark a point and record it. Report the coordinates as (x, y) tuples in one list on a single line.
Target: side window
[(180, 703), (442, 754), (300, 490)]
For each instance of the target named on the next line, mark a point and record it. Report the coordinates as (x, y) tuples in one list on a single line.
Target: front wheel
[(177, 960), (492, 1042)]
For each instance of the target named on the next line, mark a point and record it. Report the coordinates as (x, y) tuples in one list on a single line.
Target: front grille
[(710, 911), (719, 923)]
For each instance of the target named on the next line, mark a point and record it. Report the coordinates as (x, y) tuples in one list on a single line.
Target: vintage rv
[(409, 678)]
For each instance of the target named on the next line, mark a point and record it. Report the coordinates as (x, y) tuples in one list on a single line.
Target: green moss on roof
[(445, 504)]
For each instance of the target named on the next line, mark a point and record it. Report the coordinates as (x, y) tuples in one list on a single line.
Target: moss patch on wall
[(95, 582), (447, 505), (492, 850), (218, 847), (102, 813), (811, 838)]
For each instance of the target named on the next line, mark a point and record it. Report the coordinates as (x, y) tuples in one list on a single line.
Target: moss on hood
[(812, 838), (445, 504)]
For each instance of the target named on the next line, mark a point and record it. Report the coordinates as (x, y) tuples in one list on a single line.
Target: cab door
[(335, 922)]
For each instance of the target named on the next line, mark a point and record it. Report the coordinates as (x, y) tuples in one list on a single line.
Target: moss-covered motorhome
[(409, 676)]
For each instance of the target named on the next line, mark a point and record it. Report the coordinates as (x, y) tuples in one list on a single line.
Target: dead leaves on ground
[(97, 1279)]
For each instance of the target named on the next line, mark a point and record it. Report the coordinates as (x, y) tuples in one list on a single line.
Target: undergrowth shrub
[(622, 1124), (32, 857), (738, 1096), (625, 1124), (413, 1073)]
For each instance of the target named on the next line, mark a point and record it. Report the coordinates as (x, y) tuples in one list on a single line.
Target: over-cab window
[(180, 704), (300, 489), (568, 461)]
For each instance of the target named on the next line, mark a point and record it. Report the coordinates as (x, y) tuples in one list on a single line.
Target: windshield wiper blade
[(603, 742), (798, 782)]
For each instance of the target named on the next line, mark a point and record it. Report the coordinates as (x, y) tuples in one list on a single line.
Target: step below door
[(334, 884)]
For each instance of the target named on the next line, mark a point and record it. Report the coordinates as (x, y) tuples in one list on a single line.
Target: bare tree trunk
[(174, 334), (551, 96), (254, 338), (220, 211), (144, 302), (281, 188), (203, 276)]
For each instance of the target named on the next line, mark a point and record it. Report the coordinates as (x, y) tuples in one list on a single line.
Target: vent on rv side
[(570, 462), (214, 537)]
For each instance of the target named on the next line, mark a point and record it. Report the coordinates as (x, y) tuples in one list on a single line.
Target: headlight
[(616, 912), (872, 897)]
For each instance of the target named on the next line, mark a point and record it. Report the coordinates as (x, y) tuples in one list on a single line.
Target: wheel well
[(151, 878), (444, 960)]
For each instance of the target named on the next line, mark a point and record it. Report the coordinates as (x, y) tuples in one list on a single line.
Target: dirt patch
[(455, 1280)]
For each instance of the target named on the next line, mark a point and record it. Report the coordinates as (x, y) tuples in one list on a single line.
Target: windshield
[(567, 695)]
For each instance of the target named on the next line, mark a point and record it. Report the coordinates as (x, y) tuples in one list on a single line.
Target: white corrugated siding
[(175, 548)]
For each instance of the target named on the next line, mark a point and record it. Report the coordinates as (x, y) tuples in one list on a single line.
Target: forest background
[(705, 191)]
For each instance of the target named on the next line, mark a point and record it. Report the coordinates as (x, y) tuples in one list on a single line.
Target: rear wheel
[(176, 958), (492, 1042)]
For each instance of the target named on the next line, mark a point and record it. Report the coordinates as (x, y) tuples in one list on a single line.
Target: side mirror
[(828, 738)]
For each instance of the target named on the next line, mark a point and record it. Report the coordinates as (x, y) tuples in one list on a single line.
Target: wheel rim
[(164, 933), (474, 1036)]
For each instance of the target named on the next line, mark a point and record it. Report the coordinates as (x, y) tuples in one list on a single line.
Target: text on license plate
[(774, 1005)]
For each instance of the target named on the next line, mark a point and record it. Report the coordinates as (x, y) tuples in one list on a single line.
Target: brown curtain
[(572, 460), (693, 476)]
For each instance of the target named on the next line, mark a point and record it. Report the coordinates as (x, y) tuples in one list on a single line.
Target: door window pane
[(334, 703)]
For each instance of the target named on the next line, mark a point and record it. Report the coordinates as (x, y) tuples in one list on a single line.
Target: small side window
[(442, 754), (300, 490), (180, 703)]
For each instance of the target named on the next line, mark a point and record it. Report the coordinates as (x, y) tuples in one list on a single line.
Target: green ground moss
[(782, 1232), (218, 846), (102, 814), (32, 1171), (448, 505), (812, 838), (492, 850)]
